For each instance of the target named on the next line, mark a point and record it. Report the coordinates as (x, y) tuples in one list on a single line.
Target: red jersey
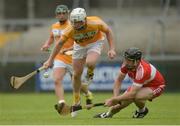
[(145, 75)]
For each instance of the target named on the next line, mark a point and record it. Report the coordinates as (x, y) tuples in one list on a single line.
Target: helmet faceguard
[(132, 54), (62, 9), (78, 18)]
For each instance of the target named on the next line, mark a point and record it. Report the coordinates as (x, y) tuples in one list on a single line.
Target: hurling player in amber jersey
[(148, 83), (62, 63), (87, 32)]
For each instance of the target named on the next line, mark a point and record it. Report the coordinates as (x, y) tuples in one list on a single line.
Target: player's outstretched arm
[(118, 83), (54, 52), (130, 95), (109, 36), (47, 44)]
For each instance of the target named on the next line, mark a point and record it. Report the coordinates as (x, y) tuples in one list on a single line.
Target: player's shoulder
[(143, 65), (55, 25), (123, 68), (94, 20), (58, 25), (68, 29), (143, 69)]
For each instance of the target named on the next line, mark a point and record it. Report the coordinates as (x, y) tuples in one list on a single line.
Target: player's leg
[(91, 60), (88, 94), (78, 65), (84, 87), (146, 93), (79, 54), (142, 96), (78, 61), (142, 109), (87, 81), (93, 54), (59, 72), (85, 90)]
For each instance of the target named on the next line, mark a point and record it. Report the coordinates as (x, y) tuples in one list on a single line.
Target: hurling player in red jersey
[(148, 83)]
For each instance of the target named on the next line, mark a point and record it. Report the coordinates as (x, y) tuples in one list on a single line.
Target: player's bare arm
[(126, 96), (117, 84), (55, 51), (111, 52), (47, 44)]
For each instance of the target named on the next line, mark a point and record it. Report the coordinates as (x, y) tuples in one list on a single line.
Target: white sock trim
[(61, 101), (108, 113), (142, 110)]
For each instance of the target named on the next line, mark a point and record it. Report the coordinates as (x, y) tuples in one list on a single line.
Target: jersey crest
[(84, 36)]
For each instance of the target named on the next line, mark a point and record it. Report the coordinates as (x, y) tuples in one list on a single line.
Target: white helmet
[(78, 14)]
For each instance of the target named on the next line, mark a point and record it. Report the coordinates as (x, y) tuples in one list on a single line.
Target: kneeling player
[(148, 83)]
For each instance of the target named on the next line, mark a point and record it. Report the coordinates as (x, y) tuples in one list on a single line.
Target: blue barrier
[(104, 76)]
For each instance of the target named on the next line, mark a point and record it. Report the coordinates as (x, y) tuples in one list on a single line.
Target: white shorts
[(61, 64), (79, 52)]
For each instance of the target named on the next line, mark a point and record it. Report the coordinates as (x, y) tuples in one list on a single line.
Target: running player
[(148, 83), (87, 32), (62, 62)]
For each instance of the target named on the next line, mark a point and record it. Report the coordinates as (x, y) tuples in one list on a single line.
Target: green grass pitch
[(38, 108)]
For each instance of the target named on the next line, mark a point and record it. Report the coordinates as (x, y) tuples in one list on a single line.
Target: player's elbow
[(61, 43), (108, 32)]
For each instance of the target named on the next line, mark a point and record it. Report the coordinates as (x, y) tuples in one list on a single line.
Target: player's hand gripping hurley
[(17, 82)]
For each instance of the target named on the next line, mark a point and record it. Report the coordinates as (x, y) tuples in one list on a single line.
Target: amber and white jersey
[(57, 28), (56, 32), (145, 75), (92, 33)]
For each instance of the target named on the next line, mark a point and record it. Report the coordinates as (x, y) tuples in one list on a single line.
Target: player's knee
[(57, 81), (90, 64), (137, 99), (77, 75), (140, 98)]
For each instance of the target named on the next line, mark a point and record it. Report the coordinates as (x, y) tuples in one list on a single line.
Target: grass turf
[(38, 108)]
